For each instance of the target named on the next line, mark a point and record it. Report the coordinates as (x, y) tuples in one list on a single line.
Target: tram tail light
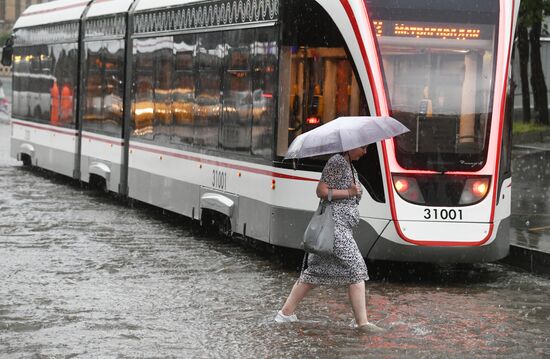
[(313, 121), (408, 189), (475, 189)]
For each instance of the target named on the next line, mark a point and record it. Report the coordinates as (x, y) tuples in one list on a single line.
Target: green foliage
[(533, 11), (3, 37), (521, 127)]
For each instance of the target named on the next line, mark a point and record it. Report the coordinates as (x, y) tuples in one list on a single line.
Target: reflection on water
[(84, 276)]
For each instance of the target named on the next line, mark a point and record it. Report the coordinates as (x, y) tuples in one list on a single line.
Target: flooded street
[(85, 276)]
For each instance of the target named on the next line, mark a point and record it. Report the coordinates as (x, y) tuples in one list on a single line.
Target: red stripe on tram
[(223, 164), (105, 140), (61, 131), (174, 154)]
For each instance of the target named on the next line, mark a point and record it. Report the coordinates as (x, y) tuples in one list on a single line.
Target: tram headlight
[(475, 189), (408, 189), (402, 185)]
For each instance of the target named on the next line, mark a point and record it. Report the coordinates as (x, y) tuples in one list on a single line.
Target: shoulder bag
[(319, 234)]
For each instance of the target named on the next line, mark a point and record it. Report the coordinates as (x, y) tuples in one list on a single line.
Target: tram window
[(163, 74), (71, 83), (142, 106), (322, 87), (207, 108), (264, 90), (65, 80), (60, 74), (369, 172), (183, 94), (317, 81), (93, 109), (103, 90), (34, 90), (21, 69), (114, 87), (237, 100), (45, 83), (36, 69), (54, 88), (35, 60), (15, 83)]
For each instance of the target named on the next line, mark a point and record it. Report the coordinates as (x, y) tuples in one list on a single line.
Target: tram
[(190, 105)]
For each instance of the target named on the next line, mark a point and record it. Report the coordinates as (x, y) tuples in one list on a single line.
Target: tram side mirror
[(7, 52)]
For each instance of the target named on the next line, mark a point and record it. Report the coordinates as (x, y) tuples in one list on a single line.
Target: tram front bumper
[(385, 249)]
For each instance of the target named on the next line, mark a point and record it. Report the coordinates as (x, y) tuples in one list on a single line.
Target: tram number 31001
[(443, 214), (219, 179)]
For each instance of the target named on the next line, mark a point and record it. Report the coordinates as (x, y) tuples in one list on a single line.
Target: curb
[(529, 137), (529, 259)]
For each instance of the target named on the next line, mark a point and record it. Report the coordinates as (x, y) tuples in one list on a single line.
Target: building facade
[(9, 12), (11, 9)]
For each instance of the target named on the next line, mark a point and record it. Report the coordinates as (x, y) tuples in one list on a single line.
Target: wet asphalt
[(84, 275)]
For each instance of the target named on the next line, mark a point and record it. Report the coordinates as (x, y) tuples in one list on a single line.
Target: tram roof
[(156, 4), (71, 10), (106, 7), (52, 12)]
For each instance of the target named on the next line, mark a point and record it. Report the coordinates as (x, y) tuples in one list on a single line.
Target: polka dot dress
[(346, 266)]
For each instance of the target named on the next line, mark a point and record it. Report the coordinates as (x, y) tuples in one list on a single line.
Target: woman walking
[(339, 185)]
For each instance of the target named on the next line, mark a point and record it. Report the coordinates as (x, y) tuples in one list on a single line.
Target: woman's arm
[(322, 191)]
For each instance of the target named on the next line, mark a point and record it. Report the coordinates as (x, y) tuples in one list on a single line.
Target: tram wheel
[(26, 159), (213, 222), (98, 183)]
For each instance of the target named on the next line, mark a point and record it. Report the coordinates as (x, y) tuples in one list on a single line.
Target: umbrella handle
[(352, 171), (353, 176)]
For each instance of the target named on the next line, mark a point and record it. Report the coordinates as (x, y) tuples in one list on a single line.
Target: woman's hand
[(355, 190)]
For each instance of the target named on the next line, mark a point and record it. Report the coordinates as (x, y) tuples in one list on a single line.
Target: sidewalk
[(530, 222)]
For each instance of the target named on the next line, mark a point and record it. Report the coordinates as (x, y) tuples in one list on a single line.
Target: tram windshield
[(438, 60)]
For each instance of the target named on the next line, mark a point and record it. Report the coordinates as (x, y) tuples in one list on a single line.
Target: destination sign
[(432, 30)]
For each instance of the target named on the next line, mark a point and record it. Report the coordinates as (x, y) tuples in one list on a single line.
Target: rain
[(86, 275)]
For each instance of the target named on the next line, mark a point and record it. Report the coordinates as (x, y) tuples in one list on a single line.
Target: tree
[(522, 35), (4, 36), (531, 15)]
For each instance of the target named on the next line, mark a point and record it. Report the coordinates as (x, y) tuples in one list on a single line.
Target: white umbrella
[(344, 134)]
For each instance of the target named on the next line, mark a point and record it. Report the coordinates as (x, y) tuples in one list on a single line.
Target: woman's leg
[(298, 292), (358, 302)]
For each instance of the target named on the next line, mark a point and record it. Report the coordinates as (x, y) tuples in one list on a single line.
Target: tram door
[(318, 84), (322, 88)]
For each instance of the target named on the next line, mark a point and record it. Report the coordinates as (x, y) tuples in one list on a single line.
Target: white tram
[(190, 106)]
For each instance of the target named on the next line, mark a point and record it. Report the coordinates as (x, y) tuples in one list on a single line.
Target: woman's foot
[(367, 328), (370, 328), (281, 318)]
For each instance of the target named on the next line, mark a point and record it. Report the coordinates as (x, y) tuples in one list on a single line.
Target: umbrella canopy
[(344, 134)]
